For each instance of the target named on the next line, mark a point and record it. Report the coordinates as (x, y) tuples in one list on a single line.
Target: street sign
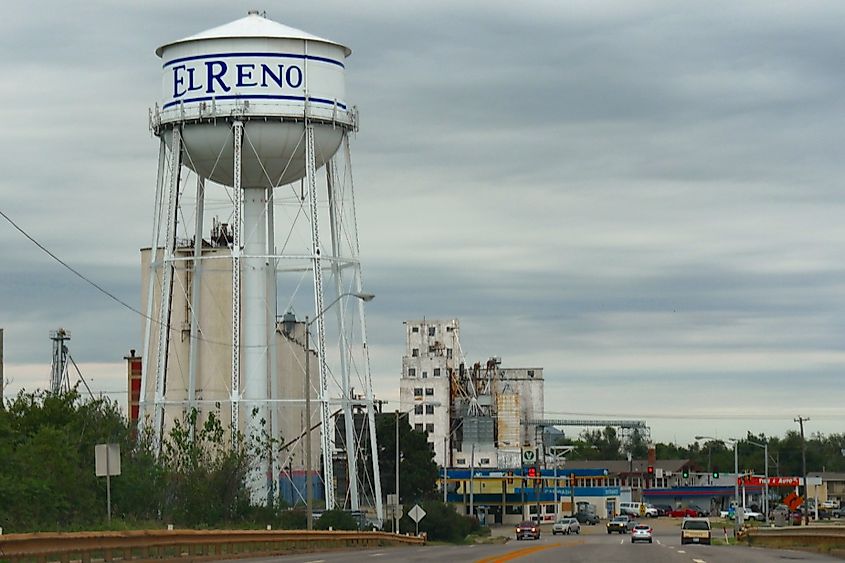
[(107, 464), (416, 513), (642, 509), (529, 457)]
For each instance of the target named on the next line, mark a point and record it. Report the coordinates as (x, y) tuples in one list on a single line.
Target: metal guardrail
[(158, 545), (833, 536)]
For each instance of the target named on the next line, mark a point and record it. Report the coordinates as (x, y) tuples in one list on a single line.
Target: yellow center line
[(516, 554)]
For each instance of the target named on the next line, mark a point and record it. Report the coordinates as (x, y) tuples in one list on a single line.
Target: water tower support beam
[(325, 417), (275, 423), (196, 288), (368, 383), (151, 277), (337, 273), (166, 295), (237, 198)]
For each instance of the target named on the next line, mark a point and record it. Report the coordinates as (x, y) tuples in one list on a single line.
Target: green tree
[(417, 467)]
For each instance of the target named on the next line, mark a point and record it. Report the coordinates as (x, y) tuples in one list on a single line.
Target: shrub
[(337, 520)]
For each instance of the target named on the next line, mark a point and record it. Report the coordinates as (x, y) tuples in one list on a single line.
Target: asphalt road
[(594, 545)]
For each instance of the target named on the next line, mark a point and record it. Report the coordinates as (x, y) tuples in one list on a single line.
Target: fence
[(158, 545)]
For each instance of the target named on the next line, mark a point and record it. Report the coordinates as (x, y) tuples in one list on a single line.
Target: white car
[(641, 532), (566, 526)]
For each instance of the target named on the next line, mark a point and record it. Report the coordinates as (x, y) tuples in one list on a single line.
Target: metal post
[(395, 508), (557, 501), (801, 420), (108, 486), (196, 289), (445, 461), (736, 488), (766, 484), (471, 482), (309, 494)]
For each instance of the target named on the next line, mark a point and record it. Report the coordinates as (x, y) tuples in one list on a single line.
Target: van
[(637, 509), (695, 530)]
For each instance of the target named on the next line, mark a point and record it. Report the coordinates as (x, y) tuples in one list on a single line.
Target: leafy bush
[(336, 520), (293, 520)]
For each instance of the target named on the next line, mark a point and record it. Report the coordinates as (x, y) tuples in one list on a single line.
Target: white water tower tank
[(272, 75)]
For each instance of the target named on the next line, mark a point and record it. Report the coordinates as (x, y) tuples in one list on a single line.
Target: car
[(838, 512), (586, 518), (566, 526), (684, 512), (637, 509), (621, 524), (641, 532), (695, 530), (527, 529), (663, 509), (749, 514)]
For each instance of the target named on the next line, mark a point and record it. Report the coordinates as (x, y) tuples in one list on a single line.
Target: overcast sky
[(642, 198)]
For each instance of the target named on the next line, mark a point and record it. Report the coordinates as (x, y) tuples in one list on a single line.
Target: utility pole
[(801, 420), (1, 369)]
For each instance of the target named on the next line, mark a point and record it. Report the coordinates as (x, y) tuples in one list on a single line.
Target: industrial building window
[(415, 352), (429, 409), (425, 375), (415, 329), (461, 461), (432, 330), (429, 428), (429, 391), (418, 391), (448, 352), (412, 372), (531, 373), (418, 409), (485, 461), (448, 329), (436, 372), (418, 427)]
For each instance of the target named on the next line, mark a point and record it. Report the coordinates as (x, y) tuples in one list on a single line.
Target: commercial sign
[(755, 481)]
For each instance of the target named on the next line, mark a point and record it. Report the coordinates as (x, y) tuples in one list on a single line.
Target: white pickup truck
[(749, 514)]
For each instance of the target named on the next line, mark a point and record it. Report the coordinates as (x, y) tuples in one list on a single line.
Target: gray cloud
[(614, 191)]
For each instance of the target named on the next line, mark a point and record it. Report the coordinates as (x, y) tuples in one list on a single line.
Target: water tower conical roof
[(253, 25)]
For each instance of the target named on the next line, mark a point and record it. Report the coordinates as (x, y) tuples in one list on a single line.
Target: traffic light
[(650, 471), (532, 472), (686, 473), (715, 472)]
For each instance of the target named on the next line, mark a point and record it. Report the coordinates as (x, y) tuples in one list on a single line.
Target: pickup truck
[(749, 515), (620, 524)]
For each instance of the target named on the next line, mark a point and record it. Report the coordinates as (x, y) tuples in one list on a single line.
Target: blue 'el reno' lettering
[(219, 77)]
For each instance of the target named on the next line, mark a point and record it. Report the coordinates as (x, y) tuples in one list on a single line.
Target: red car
[(528, 529), (687, 512)]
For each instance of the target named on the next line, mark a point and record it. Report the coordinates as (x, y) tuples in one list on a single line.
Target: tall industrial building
[(474, 414)]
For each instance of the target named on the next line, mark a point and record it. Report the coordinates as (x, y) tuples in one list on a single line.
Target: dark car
[(528, 529), (585, 518), (663, 509), (621, 525)]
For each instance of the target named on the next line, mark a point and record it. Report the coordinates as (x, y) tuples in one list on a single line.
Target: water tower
[(254, 128)]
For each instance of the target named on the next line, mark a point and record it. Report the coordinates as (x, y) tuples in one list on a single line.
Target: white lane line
[(316, 561), (699, 561), (658, 542), (376, 554), (621, 542), (681, 551)]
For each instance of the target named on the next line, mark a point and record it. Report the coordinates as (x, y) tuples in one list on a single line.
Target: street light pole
[(765, 446), (395, 511), (736, 476)]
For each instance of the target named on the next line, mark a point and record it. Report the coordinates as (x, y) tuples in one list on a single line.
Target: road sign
[(416, 513), (642, 509), (529, 457)]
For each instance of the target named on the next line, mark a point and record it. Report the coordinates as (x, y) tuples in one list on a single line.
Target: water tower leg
[(237, 198), (196, 288), (271, 326), (337, 274), (325, 417), (167, 285), (151, 278)]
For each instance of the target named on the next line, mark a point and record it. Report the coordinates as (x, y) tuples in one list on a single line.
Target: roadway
[(593, 545)]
